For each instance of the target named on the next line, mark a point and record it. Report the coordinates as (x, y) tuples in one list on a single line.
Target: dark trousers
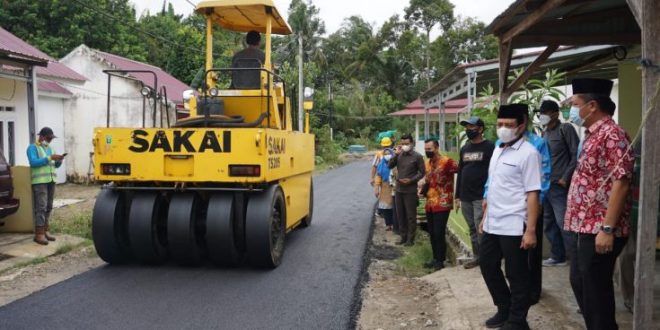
[(395, 221), (535, 262), (591, 280), (42, 198), (515, 296), (387, 216), (406, 213), (436, 223), (554, 208)]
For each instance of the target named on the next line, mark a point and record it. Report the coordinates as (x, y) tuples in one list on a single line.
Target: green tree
[(57, 27), (426, 14)]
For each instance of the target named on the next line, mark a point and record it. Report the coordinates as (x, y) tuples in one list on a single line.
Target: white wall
[(13, 93), (87, 109), (50, 112)]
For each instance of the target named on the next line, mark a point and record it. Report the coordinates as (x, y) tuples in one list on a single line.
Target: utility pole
[(300, 82)]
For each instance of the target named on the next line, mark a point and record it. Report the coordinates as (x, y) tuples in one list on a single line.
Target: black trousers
[(395, 220), (515, 296), (406, 214), (591, 280), (535, 260), (436, 223)]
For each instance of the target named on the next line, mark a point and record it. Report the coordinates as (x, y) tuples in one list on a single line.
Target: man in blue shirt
[(43, 162)]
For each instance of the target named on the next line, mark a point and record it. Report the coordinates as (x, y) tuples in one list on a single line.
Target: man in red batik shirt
[(439, 180), (599, 202)]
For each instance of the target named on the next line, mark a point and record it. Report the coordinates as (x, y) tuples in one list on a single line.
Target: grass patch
[(77, 224), (26, 263), (414, 258)]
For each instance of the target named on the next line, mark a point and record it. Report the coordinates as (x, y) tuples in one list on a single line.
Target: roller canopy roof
[(244, 15)]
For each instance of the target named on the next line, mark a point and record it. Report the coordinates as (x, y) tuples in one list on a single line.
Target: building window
[(10, 109)]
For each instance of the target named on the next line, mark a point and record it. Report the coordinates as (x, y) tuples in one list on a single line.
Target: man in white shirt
[(509, 223)]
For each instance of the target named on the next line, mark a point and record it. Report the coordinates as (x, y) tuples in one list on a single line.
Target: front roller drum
[(183, 222), (109, 227), (265, 224), (222, 229), (146, 227)]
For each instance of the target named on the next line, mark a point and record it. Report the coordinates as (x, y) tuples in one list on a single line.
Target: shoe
[(515, 326), (497, 320), (471, 264), (550, 262), (430, 264), (47, 234), (438, 266), (40, 235)]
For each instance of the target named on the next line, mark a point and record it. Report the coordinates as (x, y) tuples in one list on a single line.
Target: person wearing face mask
[(562, 139), (385, 143), (599, 202), (536, 254), (510, 217), (43, 162), (383, 189), (439, 190), (472, 176), (410, 169)]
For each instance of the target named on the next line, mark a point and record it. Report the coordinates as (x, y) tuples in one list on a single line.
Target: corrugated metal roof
[(14, 45), (58, 70), (417, 108), (52, 87), (175, 88)]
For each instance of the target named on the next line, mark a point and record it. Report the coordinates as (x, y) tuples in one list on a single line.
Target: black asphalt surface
[(314, 287)]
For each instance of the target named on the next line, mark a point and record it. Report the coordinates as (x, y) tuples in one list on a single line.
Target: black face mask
[(471, 133), (430, 154)]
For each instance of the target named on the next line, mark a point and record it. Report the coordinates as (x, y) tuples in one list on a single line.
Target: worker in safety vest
[(43, 163)]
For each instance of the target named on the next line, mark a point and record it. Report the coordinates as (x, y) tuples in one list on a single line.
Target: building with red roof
[(30, 79), (89, 108), (432, 117)]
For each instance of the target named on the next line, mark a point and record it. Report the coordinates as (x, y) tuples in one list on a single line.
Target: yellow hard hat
[(386, 142)]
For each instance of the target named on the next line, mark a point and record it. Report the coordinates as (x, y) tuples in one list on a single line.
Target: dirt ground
[(454, 298), (75, 191), (20, 282)]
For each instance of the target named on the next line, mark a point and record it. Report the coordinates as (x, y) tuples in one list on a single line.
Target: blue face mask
[(574, 116)]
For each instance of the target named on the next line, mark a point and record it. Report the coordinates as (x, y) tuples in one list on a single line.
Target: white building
[(89, 105)]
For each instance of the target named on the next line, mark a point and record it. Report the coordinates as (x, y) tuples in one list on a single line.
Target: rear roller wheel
[(307, 221), (265, 224), (221, 224), (146, 227), (109, 227), (182, 221)]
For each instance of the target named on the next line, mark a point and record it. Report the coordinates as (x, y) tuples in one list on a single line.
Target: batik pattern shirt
[(440, 178), (605, 150)]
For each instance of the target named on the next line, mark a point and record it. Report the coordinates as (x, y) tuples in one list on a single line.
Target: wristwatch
[(607, 229)]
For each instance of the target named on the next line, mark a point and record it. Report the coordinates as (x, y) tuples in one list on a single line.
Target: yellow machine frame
[(201, 157)]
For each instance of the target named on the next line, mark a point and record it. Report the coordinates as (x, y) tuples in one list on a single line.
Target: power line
[(192, 4), (96, 10)]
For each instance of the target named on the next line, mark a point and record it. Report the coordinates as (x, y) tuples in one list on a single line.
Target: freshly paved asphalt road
[(314, 287)]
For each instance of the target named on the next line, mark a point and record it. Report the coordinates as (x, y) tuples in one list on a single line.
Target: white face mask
[(544, 120), (406, 148), (45, 143), (506, 134), (387, 157)]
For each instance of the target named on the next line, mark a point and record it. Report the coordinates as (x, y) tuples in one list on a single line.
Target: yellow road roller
[(224, 183)]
